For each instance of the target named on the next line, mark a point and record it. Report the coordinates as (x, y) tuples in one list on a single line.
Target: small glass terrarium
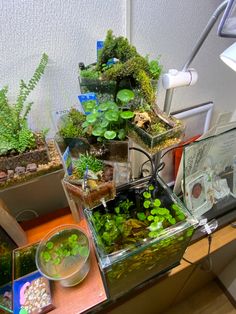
[(143, 232), (154, 137), (91, 181), (63, 255)]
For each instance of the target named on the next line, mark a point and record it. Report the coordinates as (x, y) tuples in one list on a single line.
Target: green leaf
[(89, 106), (172, 221), (150, 218), (46, 256), (154, 211), (104, 123), (110, 135), (104, 106), (117, 210), (91, 118), (147, 194), (57, 261), (141, 216), (163, 211), (108, 105), (125, 95), (49, 245), (111, 115), (127, 114), (157, 202), (181, 216), (122, 134), (99, 131), (146, 204)]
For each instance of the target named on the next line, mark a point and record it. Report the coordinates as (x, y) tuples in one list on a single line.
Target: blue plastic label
[(88, 102), (67, 160), (100, 45)]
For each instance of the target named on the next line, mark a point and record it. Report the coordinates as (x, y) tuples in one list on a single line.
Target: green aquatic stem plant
[(15, 134)]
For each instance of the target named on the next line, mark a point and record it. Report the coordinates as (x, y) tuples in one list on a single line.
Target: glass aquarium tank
[(143, 232)]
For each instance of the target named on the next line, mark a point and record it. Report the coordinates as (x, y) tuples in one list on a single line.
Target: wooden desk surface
[(91, 290)]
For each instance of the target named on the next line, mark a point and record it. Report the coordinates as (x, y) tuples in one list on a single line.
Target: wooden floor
[(209, 300)]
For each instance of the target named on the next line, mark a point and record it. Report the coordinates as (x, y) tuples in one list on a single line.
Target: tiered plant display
[(91, 181), (141, 233), (23, 153), (120, 66)]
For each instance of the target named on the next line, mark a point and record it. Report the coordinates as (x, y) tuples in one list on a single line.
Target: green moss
[(72, 124)]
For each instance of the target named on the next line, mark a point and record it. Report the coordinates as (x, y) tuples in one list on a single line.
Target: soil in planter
[(23, 174)]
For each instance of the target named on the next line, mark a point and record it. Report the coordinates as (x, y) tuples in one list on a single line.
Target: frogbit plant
[(159, 217), (15, 134), (107, 121), (55, 252)]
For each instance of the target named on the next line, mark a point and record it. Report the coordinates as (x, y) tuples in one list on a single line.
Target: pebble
[(3, 176), (20, 170), (31, 167)]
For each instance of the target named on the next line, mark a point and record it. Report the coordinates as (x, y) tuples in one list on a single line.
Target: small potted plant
[(22, 151), (142, 232), (91, 181), (63, 255)]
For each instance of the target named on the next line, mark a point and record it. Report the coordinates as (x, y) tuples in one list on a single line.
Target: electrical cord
[(208, 258), (146, 154), (162, 163)]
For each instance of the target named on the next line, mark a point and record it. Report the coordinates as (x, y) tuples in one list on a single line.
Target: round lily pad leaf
[(104, 123), (99, 131), (113, 106), (91, 118), (106, 105), (112, 115), (110, 135), (89, 106), (127, 114), (125, 95)]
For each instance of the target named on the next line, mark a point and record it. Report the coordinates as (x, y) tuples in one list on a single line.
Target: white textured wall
[(67, 31)]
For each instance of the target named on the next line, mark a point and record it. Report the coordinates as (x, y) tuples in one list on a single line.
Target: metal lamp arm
[(170, 82)]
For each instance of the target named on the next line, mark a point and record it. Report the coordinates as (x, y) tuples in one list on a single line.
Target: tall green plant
[(15, 135)]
